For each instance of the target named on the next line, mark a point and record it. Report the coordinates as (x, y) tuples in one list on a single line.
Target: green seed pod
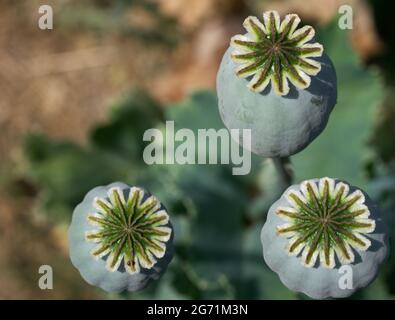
[(276, 82), (315, 229), (120, 238)]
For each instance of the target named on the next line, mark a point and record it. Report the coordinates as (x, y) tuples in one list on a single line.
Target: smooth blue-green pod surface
[(120, 238), (280, 125), (342, 225)]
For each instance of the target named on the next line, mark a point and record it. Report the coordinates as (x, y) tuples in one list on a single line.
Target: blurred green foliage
[(217, 216), (218, 253), (383, 135), (115, 17), (341, 150)]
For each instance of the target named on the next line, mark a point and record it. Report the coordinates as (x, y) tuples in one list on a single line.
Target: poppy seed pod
[(316, 229), (278, 83), (120, 238)]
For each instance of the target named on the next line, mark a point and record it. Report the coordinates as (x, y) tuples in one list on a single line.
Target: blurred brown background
[(61, 82)]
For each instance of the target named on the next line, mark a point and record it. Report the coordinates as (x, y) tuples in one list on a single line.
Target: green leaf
[(67, 172), (123, 133), (340, 151)]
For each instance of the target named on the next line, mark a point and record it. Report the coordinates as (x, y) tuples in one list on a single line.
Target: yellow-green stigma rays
[(132, 230), (276, 52), (325, 220)]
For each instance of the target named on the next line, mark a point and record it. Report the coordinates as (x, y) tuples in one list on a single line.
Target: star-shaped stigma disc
[(325, 220), (276, 52), (130, 227)]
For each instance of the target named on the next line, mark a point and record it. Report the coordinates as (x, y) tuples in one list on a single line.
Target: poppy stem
[(284, 170)]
